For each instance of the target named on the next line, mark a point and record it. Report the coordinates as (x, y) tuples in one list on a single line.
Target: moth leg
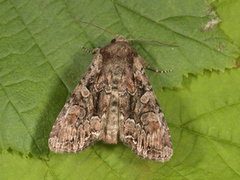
[(96, 50), (143, 62)]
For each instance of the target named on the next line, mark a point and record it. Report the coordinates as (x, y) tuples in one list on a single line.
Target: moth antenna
[(152, 41), (92, 25)]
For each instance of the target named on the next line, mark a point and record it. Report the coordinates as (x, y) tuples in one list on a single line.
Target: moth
[(114, 101)]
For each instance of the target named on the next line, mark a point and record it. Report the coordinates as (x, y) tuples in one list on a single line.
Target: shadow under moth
[(114, 101)]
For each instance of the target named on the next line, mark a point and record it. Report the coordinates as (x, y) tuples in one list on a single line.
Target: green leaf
[(41, 62)]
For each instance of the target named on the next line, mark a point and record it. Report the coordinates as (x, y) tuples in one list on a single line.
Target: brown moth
[(113, 101)]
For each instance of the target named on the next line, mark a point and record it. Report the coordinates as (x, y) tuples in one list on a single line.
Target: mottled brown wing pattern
[(144, 127), (78, 126), (114, 100)]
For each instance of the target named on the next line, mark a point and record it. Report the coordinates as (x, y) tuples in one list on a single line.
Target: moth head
[(119, 39)]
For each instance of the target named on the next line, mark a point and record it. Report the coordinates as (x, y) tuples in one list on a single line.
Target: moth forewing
[(114, 100)]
